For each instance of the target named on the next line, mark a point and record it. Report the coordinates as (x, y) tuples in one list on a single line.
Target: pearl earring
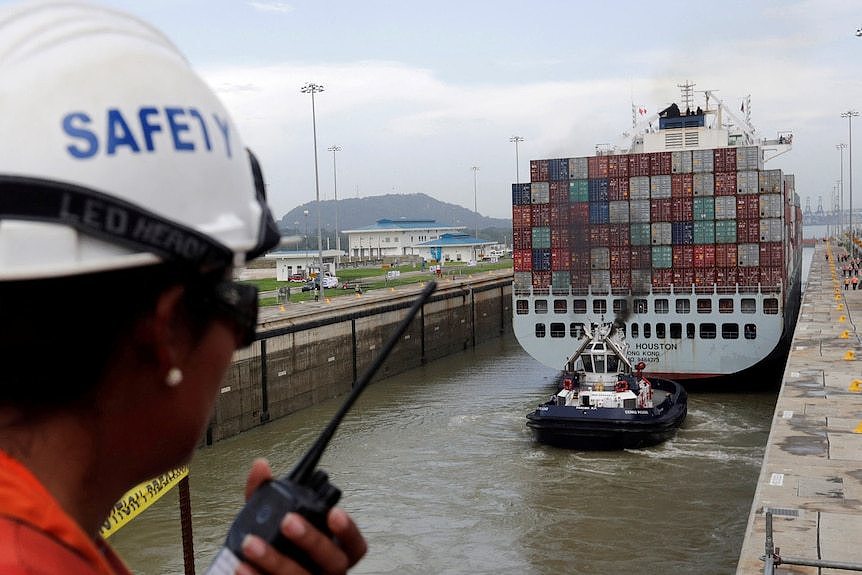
[(174, 377)]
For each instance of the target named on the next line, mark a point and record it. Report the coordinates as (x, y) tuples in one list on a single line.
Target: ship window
[(707, 331), (621, 307), (576, 330), (647, 331), (588, 362), (558, 330), (599, 363), (600, 306), (770, 306), (660, 330), (689, 331), (676, 331), (522, 307), (613, 363), (725, 305), (683, 306), (541, 306), (641, 306), (634, 331), (561, 306), (703, 305), (661, 306), (579, 306), (730, 331), (748, 305), (540, 330), (750, 331)]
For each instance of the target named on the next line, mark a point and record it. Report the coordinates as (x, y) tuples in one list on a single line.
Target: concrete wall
[(320, 355)]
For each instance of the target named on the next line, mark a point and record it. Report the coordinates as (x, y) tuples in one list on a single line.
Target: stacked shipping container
[(633, 222)]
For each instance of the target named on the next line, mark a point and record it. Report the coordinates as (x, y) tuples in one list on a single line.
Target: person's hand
[(331, 557)]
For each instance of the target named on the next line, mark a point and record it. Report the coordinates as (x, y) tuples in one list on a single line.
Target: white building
[(302, 262), (453, 248), (395, 238)]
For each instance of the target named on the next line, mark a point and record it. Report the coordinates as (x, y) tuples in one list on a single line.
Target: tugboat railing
[(772, 556)]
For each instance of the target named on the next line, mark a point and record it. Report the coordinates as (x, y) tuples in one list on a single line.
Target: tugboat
[(606, 403)]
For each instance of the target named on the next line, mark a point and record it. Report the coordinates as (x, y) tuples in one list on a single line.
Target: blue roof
[(403, 224), (449, 240)]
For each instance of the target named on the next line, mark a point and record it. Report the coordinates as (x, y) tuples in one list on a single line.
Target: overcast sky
[(416, 93)]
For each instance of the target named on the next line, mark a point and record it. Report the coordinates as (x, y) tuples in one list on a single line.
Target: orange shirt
[(37, 537)]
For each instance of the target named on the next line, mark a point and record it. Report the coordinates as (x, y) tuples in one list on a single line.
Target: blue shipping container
[(558, 169), (542, 260), (599, 213), (682, 233), (598, 189), (521, 194)]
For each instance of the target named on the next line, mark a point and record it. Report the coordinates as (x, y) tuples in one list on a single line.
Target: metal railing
[(526, 290), (772, 556)]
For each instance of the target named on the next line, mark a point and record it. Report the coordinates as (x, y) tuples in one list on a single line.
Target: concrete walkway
[(811, 476)]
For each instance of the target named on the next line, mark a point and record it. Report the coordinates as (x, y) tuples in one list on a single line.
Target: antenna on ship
[(687, 89)]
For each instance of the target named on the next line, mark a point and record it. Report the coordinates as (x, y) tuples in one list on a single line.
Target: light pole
[(840, 148), (850, 114), (516, 140), (476, 210), (306, 240), (334, 149), (313, 89)]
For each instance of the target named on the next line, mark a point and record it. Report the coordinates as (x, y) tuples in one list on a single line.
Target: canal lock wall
[(313, 352)]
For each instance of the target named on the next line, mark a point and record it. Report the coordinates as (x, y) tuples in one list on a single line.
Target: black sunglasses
[(238, 304)]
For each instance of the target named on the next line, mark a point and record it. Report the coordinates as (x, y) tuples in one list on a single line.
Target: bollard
[(850, 355), (845, 334), (855, 386)]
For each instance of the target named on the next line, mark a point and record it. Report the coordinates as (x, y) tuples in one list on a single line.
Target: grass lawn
[(353, 274)]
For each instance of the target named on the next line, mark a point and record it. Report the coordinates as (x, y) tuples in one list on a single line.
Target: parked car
[(329, 282), (296, 278)]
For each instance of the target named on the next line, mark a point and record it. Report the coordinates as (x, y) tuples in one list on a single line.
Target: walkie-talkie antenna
[(306, 466)]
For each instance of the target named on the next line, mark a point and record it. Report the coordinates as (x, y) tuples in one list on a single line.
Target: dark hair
[(56, 335)]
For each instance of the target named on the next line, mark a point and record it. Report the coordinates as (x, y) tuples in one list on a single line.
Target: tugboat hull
[(606, 428)]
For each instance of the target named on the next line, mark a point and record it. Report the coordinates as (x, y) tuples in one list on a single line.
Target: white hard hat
[(113, 152)]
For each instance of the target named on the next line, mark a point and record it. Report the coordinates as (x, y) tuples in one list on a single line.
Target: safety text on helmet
[(146, 130)]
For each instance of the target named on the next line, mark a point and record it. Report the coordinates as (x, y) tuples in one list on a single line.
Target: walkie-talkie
[(305, 490)]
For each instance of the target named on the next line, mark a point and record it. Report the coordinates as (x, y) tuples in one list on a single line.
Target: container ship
[(683, 236)]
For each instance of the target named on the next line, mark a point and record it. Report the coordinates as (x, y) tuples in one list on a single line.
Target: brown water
[(440, 471)]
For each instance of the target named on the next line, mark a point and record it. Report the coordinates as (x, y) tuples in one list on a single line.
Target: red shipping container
[(641, 257), (747, 231), (638, 165), (726, 276), (621, 258), (579, 212), (561, 259), (622, 161), (597, 167), (748, 207), (683, 256), (725, 183), (681, 210), (541, 279), (660, 210), (539, 170), (683, 277), (618, 189), (522, 239), (540, 215), (659, 163), (704, 276), (599, 235), (581, 260), (771, 276), (579, 235), (771, 254), (560, 238), (559, 216), (662, 277), (522, 260), (621, 278), (704, 256), (618, 235), (522, 216), (725, 255), (682, 185), (559, 192), (581, 278), (724, 160), (748, 276), (613, 166)]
